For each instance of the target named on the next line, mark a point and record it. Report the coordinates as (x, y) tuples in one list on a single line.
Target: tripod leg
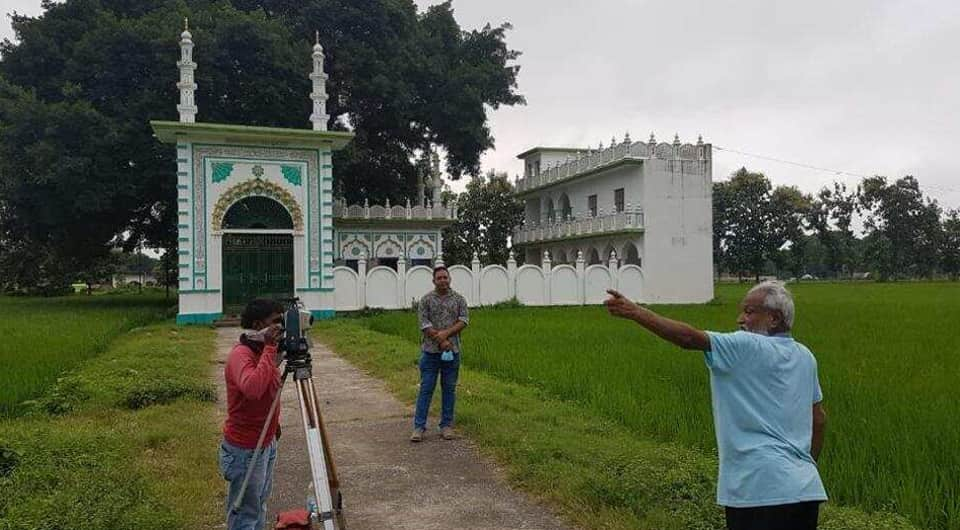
[(316, 452), (331, 467)]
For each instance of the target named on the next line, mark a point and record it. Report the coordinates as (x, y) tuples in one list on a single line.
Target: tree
[(950, 244), (487, 214), (748, 218), (790, 208), (830, 216), (87, 76), (722, 231), (167, 270), (904, 227)]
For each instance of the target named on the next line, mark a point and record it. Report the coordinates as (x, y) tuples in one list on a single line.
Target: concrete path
[(388, 482)]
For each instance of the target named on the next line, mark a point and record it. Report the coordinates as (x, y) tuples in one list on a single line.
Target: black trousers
[(799, 516)]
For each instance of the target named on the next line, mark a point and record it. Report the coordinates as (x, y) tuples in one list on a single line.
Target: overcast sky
[(865, 87)]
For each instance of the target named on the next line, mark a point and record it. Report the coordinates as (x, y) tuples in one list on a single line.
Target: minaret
[(319, 94), (437, 183), (187, 107)]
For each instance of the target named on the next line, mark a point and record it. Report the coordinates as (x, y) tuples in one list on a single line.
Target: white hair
[(777, 298)]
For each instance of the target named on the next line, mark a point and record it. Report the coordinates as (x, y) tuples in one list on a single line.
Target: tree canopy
[(80, 171)]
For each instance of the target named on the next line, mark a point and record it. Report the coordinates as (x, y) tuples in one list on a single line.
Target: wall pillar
[(362, 280), (547, 270), (581, 279), (475, 270), (512, 276)]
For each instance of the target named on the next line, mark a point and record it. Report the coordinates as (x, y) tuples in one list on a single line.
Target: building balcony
[(689, 158), (630, 220)]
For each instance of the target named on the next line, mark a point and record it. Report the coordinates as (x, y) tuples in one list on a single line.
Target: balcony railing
[(631, 219), (357, 211), (694, 157)]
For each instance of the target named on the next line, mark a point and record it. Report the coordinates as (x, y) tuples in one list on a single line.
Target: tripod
[(328, 510)]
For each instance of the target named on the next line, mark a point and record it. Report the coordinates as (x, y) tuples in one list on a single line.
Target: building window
[(592, 205), (618, 200)]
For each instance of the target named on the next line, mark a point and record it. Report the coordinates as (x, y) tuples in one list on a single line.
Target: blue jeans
[(252, 514), (430, 367)]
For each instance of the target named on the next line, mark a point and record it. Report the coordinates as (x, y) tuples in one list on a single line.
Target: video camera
[(294, 343)]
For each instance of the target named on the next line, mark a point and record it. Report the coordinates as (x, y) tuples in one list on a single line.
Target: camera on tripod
[(294, 343)]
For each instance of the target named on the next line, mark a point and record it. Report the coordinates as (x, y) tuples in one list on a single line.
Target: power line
[(823, 169)]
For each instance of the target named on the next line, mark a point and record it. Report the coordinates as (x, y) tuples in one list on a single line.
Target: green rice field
[(889, 364), (40, 339)]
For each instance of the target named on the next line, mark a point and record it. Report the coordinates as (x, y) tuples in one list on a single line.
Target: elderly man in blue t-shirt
[(767, 409)]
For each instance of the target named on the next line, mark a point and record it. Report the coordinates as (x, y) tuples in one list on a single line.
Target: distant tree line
[(886, 230)]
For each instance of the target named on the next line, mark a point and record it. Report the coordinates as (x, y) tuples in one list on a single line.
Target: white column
[(512, 275), (547, 271), (614, 270), (581, 279), (402, 280), (475, 272), (362, 277)]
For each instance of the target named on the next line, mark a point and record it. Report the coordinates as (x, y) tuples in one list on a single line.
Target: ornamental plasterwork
[(257, 187), (420, 247), (221, 171), (292, 174), (353, 246), (389, 246), (201, 152)]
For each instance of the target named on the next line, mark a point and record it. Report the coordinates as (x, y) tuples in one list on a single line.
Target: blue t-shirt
[(763, 390)]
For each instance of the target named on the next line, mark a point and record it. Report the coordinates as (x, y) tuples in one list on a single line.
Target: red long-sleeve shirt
[(253, 381)]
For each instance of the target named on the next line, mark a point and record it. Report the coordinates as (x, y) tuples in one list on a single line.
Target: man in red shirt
[(253, 380)]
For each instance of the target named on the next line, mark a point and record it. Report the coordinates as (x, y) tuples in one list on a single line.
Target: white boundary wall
[(532, 285)]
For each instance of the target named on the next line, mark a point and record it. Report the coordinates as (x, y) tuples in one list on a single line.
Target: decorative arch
[(630, 254), (593, 256), (421, 247), (257, 212), (605, 257), (566, 212), (257, 187), (561, 256), (551, 213)]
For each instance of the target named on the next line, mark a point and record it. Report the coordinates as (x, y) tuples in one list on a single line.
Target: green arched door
[(256, 265)]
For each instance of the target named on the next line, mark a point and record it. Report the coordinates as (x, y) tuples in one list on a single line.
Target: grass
[(43, 337), (126, 439), (887, 361), (593, 470)]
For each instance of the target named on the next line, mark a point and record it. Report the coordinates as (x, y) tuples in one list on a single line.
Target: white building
[(646, 203), (257, 216)]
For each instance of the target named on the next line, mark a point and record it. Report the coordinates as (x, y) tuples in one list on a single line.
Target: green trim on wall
[(183, 226), (314, 289), (183, 252), (182, 160), (291, 174), (182, 291), (221, 170), (197, 318), (323, 314), (183, 200), (183, 265), (182, 187), (183, 174)]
